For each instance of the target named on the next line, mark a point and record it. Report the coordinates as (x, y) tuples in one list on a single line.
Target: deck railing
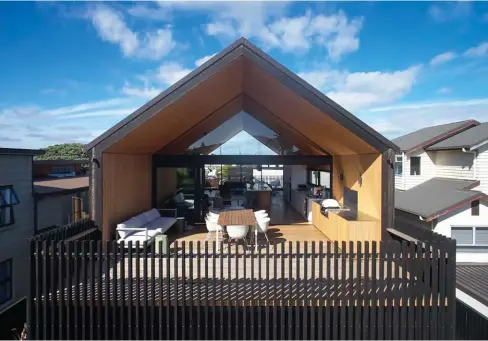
[(384, 290), (84, 229)]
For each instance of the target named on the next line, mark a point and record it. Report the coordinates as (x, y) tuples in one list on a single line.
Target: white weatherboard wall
[(427, 169), (463, 217), (454, 164), (482, 169)]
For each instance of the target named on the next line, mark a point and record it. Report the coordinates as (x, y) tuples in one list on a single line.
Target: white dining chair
[(213, 226), (262, 226), (237, 232)]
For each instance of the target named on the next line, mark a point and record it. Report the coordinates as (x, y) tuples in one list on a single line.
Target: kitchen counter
[(346, 225), (302, 203), (259, 196)]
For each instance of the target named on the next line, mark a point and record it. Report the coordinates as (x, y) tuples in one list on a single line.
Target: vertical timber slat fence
[(384, 290)]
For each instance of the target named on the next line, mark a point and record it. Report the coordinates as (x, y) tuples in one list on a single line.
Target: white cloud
[(111, 27), (362, 90), (152, 13), (446, 11), (477, 51), (201, 61), (266, 23), (171, 72), (145, 92), (444, 91), (443, 58), (51, 91), (396, 120)]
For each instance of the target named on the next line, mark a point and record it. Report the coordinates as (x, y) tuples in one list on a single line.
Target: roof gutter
[(456, 206)]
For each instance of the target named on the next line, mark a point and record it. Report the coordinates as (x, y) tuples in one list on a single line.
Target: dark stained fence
[(84, 229), (470, 325), (311, 290)]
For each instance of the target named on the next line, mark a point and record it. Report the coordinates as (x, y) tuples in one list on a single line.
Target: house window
[(398, 164), (62, 169), (415, 165), (470, 236), (5, 281), (475, 208), (8, 198)]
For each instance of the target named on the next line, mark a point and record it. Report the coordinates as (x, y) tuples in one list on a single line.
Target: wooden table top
[(237, 217)]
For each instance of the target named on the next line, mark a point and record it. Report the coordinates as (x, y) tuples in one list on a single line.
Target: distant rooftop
[(468, 139), (61, 162), (436, 197), (59, 186), (430, 135), (20, 151)]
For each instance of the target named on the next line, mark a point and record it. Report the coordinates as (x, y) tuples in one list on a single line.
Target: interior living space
[(241, 133)]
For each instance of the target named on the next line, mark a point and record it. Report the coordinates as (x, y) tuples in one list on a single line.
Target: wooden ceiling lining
[(300, 114), (201, 101), (206, 125)]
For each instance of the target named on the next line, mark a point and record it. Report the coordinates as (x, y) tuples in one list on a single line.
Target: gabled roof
[(430, 135), (469, 139), (436, 197), (238, 70)]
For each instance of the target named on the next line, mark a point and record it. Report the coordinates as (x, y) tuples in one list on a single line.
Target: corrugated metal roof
[(430, 135), (473, 280), (466, 139), (435, 196)]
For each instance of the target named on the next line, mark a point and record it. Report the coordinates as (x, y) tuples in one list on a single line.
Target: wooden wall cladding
[(126, 189), (166, 184)]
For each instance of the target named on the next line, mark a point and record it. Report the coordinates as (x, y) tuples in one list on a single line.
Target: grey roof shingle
[(430, 135), (466, 139), (473, 280), (431, 198)]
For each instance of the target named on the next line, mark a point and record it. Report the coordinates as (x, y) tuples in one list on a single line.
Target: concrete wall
[(463, 217), (16, 170)]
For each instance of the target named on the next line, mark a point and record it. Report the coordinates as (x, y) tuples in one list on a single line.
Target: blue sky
[(69, 71)]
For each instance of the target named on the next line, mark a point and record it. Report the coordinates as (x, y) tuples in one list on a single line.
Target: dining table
[(239, 217)]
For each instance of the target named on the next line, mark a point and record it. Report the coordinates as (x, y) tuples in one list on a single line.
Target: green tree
[(65, 151)]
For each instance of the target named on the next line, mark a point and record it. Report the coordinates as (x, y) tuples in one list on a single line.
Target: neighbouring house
[(60, 192), (442, 185), (441, 181), (16, 223)]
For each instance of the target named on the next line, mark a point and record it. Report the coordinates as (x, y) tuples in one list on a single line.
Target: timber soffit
[(242, 47)]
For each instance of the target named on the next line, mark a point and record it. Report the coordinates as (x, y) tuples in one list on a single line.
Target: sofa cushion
[(131, 223), (151, 215), (139, 236), (140, 219), (161, 224)]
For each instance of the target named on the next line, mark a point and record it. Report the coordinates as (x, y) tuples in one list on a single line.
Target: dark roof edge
[(332, 104), (444, 136), (476, 196), (242, 42), (164, 94), (61, 161), (20, 151), (470, 292), (63, 191)]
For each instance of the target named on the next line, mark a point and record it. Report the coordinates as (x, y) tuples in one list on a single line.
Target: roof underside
[(466, 139), (436, 197), (430, 135), (241, 78)]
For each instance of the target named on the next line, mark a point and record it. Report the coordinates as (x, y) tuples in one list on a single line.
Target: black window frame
[(419, 165), (475, 208), (398, 161), (9, 206), (309, 177), (8, 280)]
